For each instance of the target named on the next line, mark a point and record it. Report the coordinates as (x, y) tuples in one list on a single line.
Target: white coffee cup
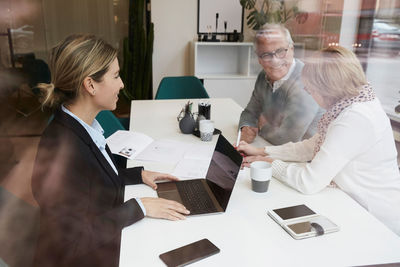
[(206, 128), (260, 174)]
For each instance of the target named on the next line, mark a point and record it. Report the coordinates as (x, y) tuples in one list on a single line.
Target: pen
[(238, 137)]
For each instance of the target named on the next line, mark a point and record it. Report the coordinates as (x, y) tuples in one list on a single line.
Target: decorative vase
[(187, 123)]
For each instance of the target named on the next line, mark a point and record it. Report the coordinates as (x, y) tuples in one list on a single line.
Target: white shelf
[(219, 44), (225, 76), (223, 58), (228, 69)]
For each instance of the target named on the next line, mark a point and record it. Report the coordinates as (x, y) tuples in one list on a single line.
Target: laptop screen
[(223, 171)]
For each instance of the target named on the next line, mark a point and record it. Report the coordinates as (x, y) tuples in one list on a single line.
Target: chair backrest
[(181, 88), (109, 122)]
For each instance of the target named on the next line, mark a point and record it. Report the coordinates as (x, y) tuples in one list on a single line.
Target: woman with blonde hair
[(75, 180), (354, 147)]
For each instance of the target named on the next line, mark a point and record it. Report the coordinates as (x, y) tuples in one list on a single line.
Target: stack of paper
[(192, 160)]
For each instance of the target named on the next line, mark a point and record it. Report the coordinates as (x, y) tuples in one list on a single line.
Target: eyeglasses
[(278, 53)]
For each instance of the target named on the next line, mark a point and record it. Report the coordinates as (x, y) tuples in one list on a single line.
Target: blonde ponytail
[(50, 96)]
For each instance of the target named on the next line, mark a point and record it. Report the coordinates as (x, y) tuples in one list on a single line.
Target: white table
[(244, 233)]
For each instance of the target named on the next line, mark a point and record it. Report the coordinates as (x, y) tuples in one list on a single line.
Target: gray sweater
[(291, 113)]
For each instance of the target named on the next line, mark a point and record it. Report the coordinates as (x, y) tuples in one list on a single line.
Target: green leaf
[(137, 54), (259, 16), (248, 4), (253, 13)]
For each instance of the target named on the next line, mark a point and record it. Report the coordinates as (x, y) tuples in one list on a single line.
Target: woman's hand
[(248, 160), (250, 150), (150, 177), (164, 209)]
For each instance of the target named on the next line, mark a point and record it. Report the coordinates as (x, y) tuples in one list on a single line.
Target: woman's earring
[(94, 92)]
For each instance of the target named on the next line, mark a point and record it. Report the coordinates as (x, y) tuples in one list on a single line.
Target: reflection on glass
[(223, 171)]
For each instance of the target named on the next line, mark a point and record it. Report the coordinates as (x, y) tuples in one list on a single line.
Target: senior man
[(280, 110)]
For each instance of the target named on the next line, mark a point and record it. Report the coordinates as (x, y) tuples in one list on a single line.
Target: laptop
[(212, 194)]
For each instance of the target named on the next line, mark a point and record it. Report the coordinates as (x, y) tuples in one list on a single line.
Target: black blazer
[(81, 199)]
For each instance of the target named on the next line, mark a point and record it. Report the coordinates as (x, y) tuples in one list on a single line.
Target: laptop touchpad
[(168, 191)]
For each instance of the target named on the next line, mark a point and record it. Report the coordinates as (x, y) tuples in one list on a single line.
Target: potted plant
[(268, 11), (136, 70)]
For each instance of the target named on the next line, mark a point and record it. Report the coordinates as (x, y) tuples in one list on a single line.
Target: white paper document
[(195, 162), (200, 151), (192, 168), (190, 160), (135, 145), (128, 144), (167, 151)]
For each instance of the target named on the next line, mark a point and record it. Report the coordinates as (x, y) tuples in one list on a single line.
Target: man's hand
[(262, 120), (249, 134)]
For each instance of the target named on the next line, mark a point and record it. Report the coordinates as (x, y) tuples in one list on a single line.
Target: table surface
[(245, 234)]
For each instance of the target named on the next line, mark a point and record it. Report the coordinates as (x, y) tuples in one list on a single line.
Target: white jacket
[(358, 154)]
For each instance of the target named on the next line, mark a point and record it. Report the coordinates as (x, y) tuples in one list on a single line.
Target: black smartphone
[(294, 212), (190, 253)]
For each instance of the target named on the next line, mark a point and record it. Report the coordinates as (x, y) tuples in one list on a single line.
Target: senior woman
[(75, 180), (354, 147)]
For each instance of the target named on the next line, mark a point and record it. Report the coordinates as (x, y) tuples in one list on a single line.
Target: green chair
[(181, 88), (109, 122), (110, 125)]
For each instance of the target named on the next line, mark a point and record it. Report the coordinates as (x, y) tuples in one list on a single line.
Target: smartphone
[(189, 253), (301, 222), (293, 212)]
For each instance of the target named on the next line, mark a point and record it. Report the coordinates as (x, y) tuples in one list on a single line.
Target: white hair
[(269, 29)]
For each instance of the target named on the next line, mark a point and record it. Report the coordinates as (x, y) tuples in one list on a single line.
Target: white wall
[(63, 18), (175, 27)]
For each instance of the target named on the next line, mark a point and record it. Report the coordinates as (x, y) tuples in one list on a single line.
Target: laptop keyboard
[(195, 197)]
